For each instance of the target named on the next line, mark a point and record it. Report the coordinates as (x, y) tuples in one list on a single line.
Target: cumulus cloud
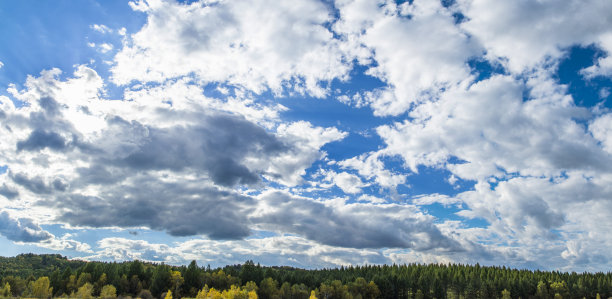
[(370, 166), (522, 34), (433, 56), (179, 208), (349, 183), (168, 160), (233, 42), (22, 229), (356, 225), (491, 131)]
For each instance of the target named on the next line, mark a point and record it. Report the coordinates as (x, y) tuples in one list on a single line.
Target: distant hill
[(25, 265)]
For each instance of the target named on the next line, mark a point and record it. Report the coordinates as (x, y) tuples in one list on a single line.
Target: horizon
[(308, 133)]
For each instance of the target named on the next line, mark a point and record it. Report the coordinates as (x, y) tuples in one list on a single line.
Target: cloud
[(233, 42), (523, 34), (370, 166), (22, 229), (277, 250), (349, 183), (148, 162), (355, 225), (8, 192), (491, 131), (217, 146), (100, 28), (40, 139), (433, 56), (180, 208)]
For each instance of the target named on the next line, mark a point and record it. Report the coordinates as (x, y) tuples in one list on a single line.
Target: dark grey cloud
[(35, 184), (40, 139), (99, 175), (8, 192), (217, 146), (21, 230), (354, 226), (181, 209)]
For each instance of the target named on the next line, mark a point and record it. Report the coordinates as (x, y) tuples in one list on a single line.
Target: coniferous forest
[(47, 276)]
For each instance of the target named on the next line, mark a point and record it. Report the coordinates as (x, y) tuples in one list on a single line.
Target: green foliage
[(162, 280), (268, 289), (139, 279), (193, 279)]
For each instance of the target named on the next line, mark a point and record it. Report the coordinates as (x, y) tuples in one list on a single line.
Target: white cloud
[(277, 250), (105, 47), (1, 64), (603, 66), (101, 28), (347, 182), (371, 199), (417, 47), (522, 34), (370, 166), (234, 42), (491, 131), (601, 128)]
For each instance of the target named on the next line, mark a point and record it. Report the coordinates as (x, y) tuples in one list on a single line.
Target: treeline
[(43, 276)]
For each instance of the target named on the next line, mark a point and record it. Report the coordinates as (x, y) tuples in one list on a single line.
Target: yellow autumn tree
[(41, 288), (85, 291), (6, 290), (168, 295), (108, 292)]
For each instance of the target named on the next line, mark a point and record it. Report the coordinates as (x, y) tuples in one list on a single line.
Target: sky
[(308, 133)]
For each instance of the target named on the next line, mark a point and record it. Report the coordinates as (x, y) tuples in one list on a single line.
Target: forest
[(55, 276)]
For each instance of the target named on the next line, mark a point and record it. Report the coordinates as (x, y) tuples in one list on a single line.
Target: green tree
[(285, 291), (145, 294), (135, 285), (100, 283), (83, 279), (251, 286), (71, 284), (162, 280), (18, 285), (250, 272), (506, 294), (193, 279), (268, 289)]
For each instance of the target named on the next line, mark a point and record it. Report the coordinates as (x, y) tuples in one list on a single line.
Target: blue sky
[(308, 133)]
